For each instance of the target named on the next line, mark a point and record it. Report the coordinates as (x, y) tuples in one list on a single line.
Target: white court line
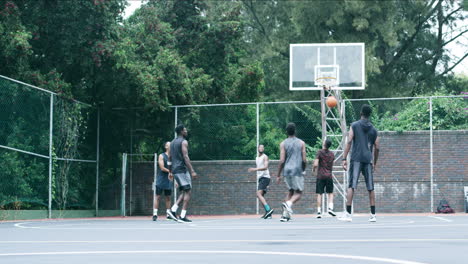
[(236, 241), (375, 259), (197, 225), (20, 225), (441, 218), (276, 227)]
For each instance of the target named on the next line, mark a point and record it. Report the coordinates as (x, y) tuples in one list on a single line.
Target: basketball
[(331, 101)]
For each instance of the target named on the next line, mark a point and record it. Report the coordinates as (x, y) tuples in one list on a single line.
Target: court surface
[(238, 239)]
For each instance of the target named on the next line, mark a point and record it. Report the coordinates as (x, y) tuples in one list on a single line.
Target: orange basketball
[(331, 101)]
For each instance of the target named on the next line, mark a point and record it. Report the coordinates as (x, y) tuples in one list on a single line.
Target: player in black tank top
[(365, 143), (163, 183), (181, 169)]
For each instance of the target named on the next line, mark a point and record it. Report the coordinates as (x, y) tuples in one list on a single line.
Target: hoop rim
[(326, 81)]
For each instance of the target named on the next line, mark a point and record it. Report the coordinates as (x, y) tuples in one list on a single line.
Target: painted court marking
[(374, 259), (236, 241), (284, 226), (441, 218)]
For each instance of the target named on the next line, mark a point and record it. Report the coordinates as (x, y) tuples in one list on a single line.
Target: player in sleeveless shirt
[(292, 166), (263, 178), (364, 140), (163, 183)]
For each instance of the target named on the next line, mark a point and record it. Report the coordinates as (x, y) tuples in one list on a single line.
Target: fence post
[(258, 142), (97, 160), (153, 185), (431, 154), (51, 126), (122, 194), (175, 136), (175, 121)]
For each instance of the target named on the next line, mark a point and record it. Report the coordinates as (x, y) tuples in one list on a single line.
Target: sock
[(372, 209), (155, 211), (183, 213), (267, 207), (174, 208), (319, 210), (168, 210), (289, 203), (348, 209), (330, 206)]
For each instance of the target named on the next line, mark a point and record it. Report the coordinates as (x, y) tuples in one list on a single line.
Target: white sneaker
[(331, 212), (287, 211), (372, 218), (345, 217), (319, 215), (287, 207)]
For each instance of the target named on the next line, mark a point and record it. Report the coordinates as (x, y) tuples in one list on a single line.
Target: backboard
[(344, 63)]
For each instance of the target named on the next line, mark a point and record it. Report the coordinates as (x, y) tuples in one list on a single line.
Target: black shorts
[(355, 168), (167, 192), (324, 186), (263, 183)]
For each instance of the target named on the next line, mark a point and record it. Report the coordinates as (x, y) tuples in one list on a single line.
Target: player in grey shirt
[(364, 154), (292, 166), (181, 169)]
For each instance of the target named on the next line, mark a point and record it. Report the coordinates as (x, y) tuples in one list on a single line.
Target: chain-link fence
[(48, 153), (50, 145), (232, 132), (416, 163)]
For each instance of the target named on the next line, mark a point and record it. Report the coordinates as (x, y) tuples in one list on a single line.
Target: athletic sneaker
[(284, 219), (331, 212), (345, 217), (372, 218), (287, 208), (155, 217), (172, 215), (319, 215), (268, 214), (184, 220)]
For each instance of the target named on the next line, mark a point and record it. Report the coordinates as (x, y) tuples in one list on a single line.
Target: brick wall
[(402, 179)]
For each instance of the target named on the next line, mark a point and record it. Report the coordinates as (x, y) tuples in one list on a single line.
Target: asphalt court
[(406, 239)]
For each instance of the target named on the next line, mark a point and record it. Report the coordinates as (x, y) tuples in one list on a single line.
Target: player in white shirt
[(263, 177)]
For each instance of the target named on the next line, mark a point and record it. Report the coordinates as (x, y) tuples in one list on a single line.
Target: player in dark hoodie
[(365, 152)]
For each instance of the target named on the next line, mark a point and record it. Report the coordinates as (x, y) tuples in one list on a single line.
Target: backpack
[(444, 207)]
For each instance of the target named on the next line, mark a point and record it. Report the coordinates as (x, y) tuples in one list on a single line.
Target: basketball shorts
[(263, 183), (324, 186), (184, 180), (294, 183), (159, 191), (355, 169)]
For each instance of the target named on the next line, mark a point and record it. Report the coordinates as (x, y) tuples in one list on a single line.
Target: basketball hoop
[(326, 82)]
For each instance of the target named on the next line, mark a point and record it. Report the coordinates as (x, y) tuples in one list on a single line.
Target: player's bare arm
[(281, 163), (304, 156), (316, 163), (169, 165), (187, 159), (376, 152), (347, 148)]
